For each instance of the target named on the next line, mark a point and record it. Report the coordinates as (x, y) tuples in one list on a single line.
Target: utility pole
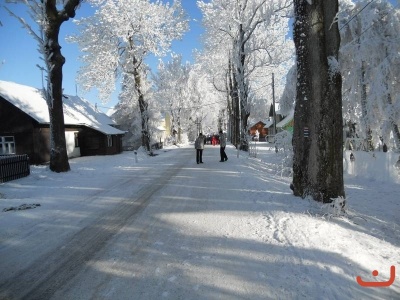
[(198, 124), (273, 103)]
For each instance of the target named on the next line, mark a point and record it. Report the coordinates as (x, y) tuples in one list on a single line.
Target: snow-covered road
[(167, 228)]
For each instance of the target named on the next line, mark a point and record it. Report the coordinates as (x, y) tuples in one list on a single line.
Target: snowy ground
[(167, 228)]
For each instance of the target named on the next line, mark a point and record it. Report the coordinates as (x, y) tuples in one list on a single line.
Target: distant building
[(269, 123), (24, 125), (259, 126), (286, 123)]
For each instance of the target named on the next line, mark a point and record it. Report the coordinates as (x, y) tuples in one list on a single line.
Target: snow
[(286, 120), (268, 123), (377, 166), (334, 67), (164, 227)]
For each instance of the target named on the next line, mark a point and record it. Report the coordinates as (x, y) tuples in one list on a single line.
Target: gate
[(13, 167)]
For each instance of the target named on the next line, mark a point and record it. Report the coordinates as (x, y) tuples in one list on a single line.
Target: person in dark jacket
[(222, 144), (199, 146)]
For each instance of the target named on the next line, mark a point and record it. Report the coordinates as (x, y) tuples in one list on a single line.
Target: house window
[(76, 139), (109, 140), (7, 145)]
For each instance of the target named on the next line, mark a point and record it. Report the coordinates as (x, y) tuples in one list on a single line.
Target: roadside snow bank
[(379, 166)]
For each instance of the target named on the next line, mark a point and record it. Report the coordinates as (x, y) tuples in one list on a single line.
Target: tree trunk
[(228, 106), (233, 88), (179, 127), (236, 111), (364, 110), (243, 90), (145, 120), (142, 107), (55, 61), (317, 136), (395, 127), (396, 134)]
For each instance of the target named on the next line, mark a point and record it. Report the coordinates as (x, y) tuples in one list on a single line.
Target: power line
[(200, 105), (365, 30), (351, 19), (184, 108), (105, 107)]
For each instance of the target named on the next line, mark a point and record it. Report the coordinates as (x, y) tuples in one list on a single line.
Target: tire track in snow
[(53, 270)]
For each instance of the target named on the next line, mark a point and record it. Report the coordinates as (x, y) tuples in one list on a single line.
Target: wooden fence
[(13, 167)]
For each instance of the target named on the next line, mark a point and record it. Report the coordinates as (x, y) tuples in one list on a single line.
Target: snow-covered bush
[(284, 151), (184, 138), (337, 207), (170, 140), (173, 140)]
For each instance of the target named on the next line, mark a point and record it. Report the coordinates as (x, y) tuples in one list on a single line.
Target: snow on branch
[(26, 25), (333, 66)]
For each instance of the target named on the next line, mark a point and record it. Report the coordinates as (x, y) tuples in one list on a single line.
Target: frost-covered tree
[(288, 97), (127, 112), (370, 65), (50, 15), (184, 92), (248, 29), (208, 102), (218, 82), (203, 102), (317, 135), (172, 91), (116, 41)]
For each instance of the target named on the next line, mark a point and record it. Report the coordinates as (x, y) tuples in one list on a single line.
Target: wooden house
[(24, 125), (270, 124), (259, 126)]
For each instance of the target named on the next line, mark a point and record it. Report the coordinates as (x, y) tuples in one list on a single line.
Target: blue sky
[(19, 55)]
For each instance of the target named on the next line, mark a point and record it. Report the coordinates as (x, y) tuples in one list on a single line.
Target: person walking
[(199, 146), (222, 144)]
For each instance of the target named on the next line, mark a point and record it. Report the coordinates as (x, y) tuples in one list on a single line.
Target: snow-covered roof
[(77, 111), (268, 123), (255, 123), (286, 120)]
